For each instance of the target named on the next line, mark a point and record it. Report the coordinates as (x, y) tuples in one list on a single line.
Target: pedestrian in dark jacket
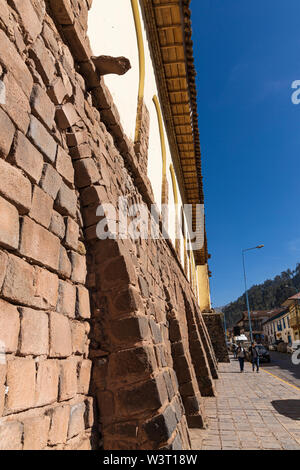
[(241, 354), (254, 356)]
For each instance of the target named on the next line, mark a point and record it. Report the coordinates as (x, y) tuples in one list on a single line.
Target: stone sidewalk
[(251, 412)]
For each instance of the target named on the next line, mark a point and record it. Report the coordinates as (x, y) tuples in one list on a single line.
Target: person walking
[(241, 354), (254, 356)]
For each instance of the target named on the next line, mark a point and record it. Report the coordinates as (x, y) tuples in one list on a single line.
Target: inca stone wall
[(214, 325), (105, 344)]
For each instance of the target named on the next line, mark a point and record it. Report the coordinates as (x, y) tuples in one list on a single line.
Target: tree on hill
[(266, 296)]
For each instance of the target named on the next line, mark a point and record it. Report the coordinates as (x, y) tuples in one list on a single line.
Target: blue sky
[(247, 56)]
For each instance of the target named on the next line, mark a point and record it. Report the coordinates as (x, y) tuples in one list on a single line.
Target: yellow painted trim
[(142, 66), (175, 193), (164, 198), (281, 380)]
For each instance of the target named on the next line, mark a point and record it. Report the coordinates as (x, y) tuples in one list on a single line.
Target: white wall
[(112, 32)]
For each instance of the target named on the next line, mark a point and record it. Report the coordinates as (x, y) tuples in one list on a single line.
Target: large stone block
[(42, 106), (60, 336), (19, 281), (65, 267), (161, 427), (129, 330), (9, 225), (66, 299), (84, 377), (79, 337), (63, 11), (11, 434), (51, 181), (72, 233), (15, 64), (150, 395), (41, 209), (39, 244), (7, 131), (86, 172), (34, 338), (16, 103), (44, 61), (21, 384), (131, 365), (46, 289), (66, 201), (78, 267), (57, 225), (42, 139), (76, 423), (64, 166), (83, 309), (15, 187), (29, 19), (118, 272), (47, 381), (36, 432), (66, 116), (9, 326), (59, 425), (68, 379), (28, 158)]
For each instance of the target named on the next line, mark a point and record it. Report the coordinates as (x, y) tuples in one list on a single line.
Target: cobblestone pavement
[(251, 412)]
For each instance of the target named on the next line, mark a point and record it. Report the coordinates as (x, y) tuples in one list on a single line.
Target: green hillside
[(271, 294)]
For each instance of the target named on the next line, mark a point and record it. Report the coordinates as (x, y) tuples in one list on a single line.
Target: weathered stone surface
[(9, 225), (29, 19), (66, 116), (15, 187), (38, 244), (66, 201), (28, 158), (68, 379), (51, 181), (86, 172), (11, 436), (34, 338), (84, 378), (57, 225), (36, 433), (47, 382), (79, 337), (46, 289), (15, 64), (57, 92), (60, 336), (42, 205), (3, 266), (161, 427), (66, 299), (65, 267), (80, 45), (72, 233), (21, 384), (76, 423), (44, 61), (18, 284), (42, 106), (16, 103), (7, 131), (83, 309), (63, 11), (59, 425), (64, 166), (42, 139), (9, 326), (78, 267), (111, 65)]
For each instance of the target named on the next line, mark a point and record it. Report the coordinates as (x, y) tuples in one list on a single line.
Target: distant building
[(257, 319), (293, 304), (278, 327)]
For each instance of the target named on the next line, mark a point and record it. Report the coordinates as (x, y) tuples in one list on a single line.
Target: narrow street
[(281, 365), (252, 411)]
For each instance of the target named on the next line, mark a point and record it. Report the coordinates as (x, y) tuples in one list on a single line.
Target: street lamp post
[(246, 290)]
